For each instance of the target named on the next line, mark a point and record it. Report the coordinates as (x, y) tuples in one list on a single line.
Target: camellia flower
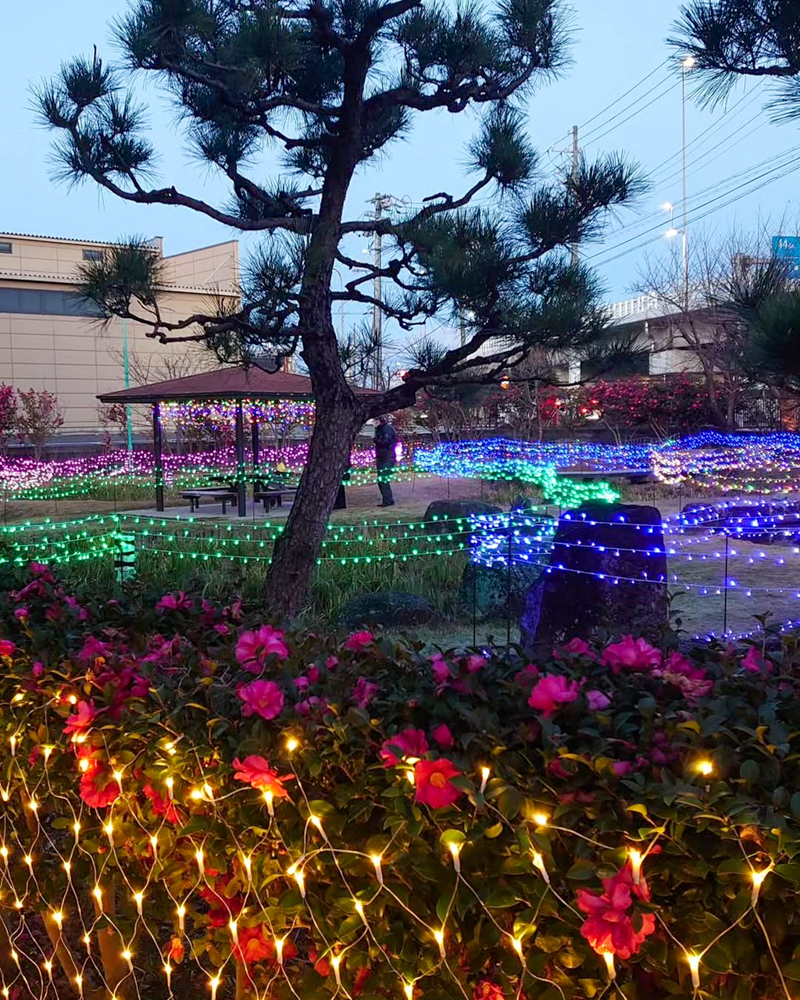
[(410, 742), (256, 944), (433, 782), (609, 927), (262, 698), (631, 654), (551, 692), (475, 663), (597, 701), (488, 990), (161, 805), (358, 641), (91, 649), (442, 735), (98, 788), (363, 692), (257, 772), (683, 674), (253, 648), (23, 613), (7, 648), (175, 602), (175, 950), (755, 662), (81, 719), (577, 647)]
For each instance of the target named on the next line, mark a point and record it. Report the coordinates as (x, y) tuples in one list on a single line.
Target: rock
[(493, 591), (452, 516), (578, 596), (391, 608)]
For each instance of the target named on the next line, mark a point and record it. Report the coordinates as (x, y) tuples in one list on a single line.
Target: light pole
[(686, 64), (127, 367), (670, 234)]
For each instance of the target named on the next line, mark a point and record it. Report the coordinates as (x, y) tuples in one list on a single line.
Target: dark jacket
[(385, 441)]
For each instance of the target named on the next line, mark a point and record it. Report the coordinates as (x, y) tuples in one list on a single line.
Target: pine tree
[(326, 86)]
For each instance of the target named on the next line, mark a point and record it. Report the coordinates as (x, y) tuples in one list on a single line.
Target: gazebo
[(235, 384)]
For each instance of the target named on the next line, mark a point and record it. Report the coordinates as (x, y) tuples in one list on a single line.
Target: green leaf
[(792, 971), (501, 899), (582, 871), (750, 771), (493, 831), (789, 872), (452, 837), (794, 805)]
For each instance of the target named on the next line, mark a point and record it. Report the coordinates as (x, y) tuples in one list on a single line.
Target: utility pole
[(686, 64), (382, 203), (576, 153)]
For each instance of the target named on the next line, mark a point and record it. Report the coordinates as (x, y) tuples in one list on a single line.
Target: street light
[(686, 65)]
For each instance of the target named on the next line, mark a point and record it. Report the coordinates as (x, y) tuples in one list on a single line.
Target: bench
[(272, 494), (222, 494)]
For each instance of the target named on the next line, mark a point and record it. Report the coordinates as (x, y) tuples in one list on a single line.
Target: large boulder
[(452, 516), (493, 591), (607, 570), (391, 608)]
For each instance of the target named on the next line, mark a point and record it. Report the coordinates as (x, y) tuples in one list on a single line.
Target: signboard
[(788, 248)]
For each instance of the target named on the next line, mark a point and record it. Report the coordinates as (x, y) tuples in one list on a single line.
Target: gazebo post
[(241, 485), (256, 444), (159, 470)]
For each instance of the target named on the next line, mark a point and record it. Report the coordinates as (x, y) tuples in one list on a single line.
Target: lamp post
[(670, 234), (686, 64), (127, 367)]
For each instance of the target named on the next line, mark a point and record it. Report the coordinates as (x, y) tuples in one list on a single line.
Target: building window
[(5, 247), (45, 303), (93, 255)]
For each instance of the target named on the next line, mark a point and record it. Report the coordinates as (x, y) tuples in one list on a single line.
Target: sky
[(740, 164)]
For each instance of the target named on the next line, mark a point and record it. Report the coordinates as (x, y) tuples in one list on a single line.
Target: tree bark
[(296, 550)]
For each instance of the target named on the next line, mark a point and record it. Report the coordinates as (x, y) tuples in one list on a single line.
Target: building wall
[(76, 356)]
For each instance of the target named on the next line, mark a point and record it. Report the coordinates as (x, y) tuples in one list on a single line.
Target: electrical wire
[(622, 97), (668, 89)]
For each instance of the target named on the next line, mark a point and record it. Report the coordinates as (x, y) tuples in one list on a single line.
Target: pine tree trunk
[(296, 550)]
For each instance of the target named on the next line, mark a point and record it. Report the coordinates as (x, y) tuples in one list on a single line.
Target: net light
[(438, 936), (538, 863), (376, 863), (485, 772), (758, 880), (540, 818), (635, 858), (611, 970), (455, 851), (292, 743), (693, 962)]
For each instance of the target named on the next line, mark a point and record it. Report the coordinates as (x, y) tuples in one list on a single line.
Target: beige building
[(51, 339)]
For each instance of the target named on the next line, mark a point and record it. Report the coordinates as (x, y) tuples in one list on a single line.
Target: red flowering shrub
[(179, 812)]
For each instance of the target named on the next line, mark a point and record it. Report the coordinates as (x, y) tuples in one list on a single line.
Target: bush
[(193, 799)]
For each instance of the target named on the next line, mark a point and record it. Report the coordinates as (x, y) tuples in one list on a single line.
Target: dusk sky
[(741, 165)]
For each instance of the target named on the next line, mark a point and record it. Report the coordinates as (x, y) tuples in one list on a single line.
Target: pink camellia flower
[(527, 676), (551, 692), (597, 701), (631, 654), (222, 629), (313, 674), (576, 647), (253, 648), (22, 613), (409, 743), (175, 602), (680, 672), (332, 662), (91, 649), (476, 663), (359, 641), (442, 735), (81, 719), (7, 648), (488, 990), (39, 569), (262, 698), (363, 692), (433, 783), (301, 683), (257, 772), (621, 768), (755, 662), (312, 706), (37, 669)]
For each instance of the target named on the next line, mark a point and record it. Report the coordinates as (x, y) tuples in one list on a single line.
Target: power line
[(622, 97), (670, 84)]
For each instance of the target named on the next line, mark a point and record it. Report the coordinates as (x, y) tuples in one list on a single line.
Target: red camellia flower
[(175, 950), (256, 944), (7, 648), (609, 926), (81, 719), (253, 648), (98, 788), (358, 641), (631, 654), (577, 647), (488, 990), (433, 782), (161, 805), (411, 743), (683, 674), (257, 772), (262, 698), (551, 692)]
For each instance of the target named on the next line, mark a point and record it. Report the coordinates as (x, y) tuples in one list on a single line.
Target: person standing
[(385, 458)]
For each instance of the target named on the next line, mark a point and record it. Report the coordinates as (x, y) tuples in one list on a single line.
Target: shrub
[(193, 799), (38, 417)]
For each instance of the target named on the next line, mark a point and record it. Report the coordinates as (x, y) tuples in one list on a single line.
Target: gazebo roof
[(222, 383)]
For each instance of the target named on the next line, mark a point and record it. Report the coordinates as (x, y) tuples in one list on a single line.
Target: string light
[(540, 818), (455, 851), (694, 967), (538, 862), (439, 938), (758, 879), (376, 863), (635, 858), (608, 957), (485, 772)]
